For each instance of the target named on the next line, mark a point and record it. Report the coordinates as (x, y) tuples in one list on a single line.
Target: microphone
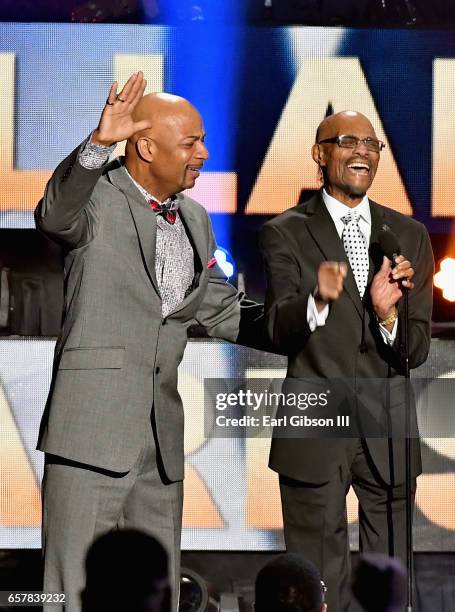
[(389, 244)]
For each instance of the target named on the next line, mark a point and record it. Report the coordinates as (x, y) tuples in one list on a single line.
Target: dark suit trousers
[(80, 503), (315, 520)]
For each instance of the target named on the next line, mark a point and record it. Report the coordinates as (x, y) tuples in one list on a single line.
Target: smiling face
[(348, 173), (167, 158)]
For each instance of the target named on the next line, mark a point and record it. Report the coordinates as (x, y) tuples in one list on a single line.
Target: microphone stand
[(409, 538), (389, 244)]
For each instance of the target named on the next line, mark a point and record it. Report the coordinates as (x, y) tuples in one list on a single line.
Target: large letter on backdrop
[(443, 137), (288, 167), (20, 504), (21, 189)]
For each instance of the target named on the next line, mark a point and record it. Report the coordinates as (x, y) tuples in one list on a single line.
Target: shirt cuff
[(314, 317), (389, 337), (93, 156)]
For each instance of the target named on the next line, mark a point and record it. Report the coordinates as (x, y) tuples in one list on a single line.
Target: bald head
[(161, 109), (344, 122)]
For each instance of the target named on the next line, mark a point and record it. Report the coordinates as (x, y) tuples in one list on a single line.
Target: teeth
[(359, 166)]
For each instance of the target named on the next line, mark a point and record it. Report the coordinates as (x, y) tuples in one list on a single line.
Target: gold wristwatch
[(390, 319)]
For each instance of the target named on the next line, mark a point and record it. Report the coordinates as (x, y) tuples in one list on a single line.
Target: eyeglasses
[(352, 142)]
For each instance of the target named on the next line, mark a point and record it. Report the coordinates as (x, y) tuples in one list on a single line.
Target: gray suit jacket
[(349, 345), (115, 367)]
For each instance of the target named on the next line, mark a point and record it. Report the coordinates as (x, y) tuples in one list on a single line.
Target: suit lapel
[(196, 233), (143, 218), (323, 230)]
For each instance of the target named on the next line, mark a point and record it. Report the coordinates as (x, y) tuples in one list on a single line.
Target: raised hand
[(116, 121)]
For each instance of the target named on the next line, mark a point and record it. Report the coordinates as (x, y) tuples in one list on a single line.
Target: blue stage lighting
[(225, 261)]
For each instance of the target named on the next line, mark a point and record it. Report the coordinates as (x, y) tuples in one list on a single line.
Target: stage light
[(194, 595), (224, 260), (445, 278)]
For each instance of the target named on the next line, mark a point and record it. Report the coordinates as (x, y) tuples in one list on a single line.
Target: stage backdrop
[(261, 93), (231, 497)]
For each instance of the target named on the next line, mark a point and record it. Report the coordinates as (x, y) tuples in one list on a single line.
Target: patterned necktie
[(356, 249), (169, 212)]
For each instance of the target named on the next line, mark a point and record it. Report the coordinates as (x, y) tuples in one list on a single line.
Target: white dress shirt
[(337, 210)]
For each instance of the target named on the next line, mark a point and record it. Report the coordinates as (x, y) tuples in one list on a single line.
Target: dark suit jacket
[(294, 244), (115, 367)]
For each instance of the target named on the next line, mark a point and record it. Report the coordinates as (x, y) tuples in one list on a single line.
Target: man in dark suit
[(139, 270), (338, 313)]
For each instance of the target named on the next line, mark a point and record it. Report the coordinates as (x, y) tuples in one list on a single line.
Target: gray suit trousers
[(80, 503)]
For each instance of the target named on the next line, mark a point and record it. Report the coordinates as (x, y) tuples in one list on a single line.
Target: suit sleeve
[(420, 306), (285, 303), (66, 213), (226, 313)]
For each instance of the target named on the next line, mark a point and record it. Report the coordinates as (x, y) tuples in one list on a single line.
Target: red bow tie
[(169, 214)]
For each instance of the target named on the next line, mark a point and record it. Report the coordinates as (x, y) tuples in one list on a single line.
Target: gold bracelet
[(390, 319)]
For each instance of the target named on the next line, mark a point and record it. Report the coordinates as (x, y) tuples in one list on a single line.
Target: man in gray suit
[(139, 270), (335, 305)]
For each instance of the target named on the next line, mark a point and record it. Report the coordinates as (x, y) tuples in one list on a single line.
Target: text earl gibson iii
[(297, 420)]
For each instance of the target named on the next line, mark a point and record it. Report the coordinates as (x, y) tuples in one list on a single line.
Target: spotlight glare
[(445, 278), (221, 256)]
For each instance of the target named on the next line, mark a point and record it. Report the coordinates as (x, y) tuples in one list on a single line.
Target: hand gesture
[(386, 287), (331, 275), (116, 122)]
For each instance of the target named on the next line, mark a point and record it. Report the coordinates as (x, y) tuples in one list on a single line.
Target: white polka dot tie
[(356, 249)]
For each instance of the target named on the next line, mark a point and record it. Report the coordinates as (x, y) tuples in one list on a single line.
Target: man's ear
[(318, 154), (145, 148)]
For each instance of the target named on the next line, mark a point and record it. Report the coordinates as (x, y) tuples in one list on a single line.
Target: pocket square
[(211, 262)]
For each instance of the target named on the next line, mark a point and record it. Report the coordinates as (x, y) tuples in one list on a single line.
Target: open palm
[(116, 121)]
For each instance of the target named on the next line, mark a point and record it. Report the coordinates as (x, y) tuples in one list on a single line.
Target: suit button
[(157, 370)]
